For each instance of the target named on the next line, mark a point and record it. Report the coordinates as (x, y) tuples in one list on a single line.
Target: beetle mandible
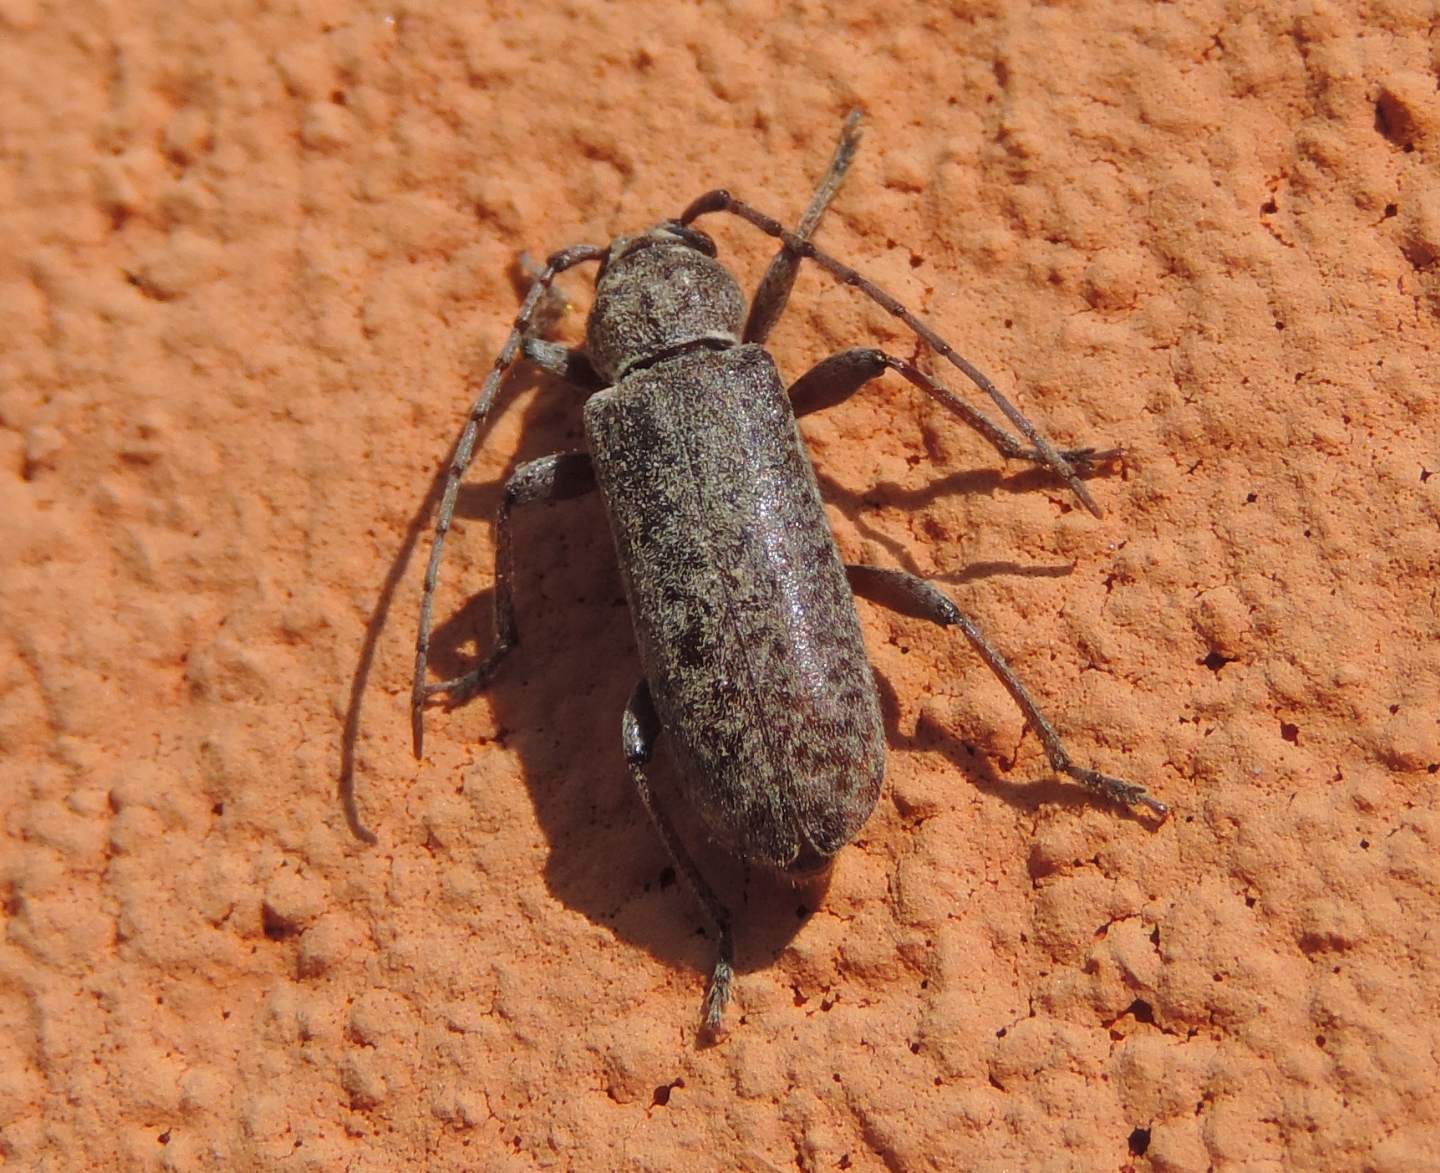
[(743, 611)]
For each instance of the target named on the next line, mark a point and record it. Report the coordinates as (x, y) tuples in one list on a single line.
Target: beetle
[(743, 611)]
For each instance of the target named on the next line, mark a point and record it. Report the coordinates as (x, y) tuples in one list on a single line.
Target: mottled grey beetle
[(743, 612)]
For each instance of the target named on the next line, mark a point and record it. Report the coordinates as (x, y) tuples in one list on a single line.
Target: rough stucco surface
[(249, 262)]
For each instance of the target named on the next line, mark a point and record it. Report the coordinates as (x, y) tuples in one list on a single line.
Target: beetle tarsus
[(717, 998)]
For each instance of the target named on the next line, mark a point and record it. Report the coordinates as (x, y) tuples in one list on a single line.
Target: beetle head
[(658, 294)]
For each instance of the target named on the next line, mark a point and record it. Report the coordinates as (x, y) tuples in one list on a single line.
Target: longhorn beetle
[(743, 611)]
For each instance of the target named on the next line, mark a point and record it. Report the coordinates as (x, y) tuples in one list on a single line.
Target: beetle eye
[(693, 237), (701, 242)]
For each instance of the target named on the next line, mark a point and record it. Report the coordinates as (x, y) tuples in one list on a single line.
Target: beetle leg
[(909, 595), (836, 378), (571, 365), (774, 289), (550, 478), (638, 730)]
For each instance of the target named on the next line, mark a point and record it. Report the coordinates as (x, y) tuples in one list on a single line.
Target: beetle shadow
[(417, 527), (970, 482), (557, 702), (930, 737), (1046, 789), (360, 678), (558, 698)]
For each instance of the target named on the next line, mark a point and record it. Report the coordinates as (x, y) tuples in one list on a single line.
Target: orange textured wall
[(251, 257)]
